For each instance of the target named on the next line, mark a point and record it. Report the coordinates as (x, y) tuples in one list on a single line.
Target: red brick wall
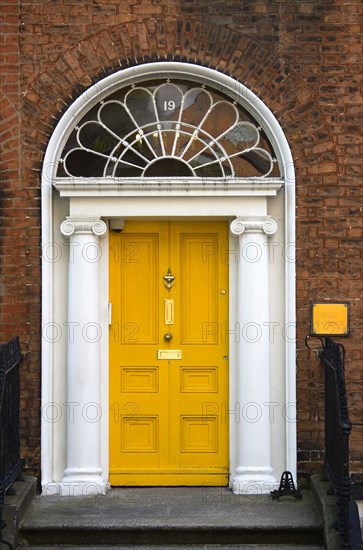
[(19, 233), (10, 147), (303, 59)]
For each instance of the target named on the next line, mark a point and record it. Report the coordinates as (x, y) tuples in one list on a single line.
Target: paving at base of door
[(173, 517)]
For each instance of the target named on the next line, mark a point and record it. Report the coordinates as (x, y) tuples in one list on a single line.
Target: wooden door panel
[(198, 287), (139, 379), (139, 288), (199, 379)]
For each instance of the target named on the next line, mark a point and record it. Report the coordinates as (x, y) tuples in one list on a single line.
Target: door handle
[(168, 336)]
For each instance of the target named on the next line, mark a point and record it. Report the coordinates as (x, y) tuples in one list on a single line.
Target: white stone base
[(76, 489), (254, 481), (81, 483)]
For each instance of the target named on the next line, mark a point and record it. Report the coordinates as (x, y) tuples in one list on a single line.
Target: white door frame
[(250, 206)]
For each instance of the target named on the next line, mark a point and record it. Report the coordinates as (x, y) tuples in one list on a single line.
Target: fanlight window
[(173, 129)]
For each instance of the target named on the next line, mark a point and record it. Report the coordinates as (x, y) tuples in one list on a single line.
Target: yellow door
[(169, 354)]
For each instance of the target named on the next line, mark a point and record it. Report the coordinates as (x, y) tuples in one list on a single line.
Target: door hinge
[(109, 313)]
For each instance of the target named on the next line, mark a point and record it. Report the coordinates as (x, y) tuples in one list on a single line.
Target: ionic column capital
[(253, 225), (73, 225)]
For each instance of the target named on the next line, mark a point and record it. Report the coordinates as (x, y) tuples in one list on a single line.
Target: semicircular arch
[(77, 119)]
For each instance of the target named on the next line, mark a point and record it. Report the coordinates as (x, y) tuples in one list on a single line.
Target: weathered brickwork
[(302, 58)]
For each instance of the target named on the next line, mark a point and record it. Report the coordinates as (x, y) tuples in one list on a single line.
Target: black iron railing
[(10, 463), (337, 431)]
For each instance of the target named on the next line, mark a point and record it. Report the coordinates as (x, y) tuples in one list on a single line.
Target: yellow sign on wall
[(329, 319)]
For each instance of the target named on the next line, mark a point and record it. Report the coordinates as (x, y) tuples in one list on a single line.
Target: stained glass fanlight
[(169, 129)]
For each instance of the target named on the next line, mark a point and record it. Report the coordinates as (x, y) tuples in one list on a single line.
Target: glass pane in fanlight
[(275, 172), (141, 105), (183, 136), (253, 163), (168, 139), (147, 141), (243, 136), (170, 135), (126, 156), (266, 145), (72, 143), (130, 155), (61, 173), (167, 168), (93, 136), (148, 146), (221, 117), (125, 171), (245, 116), (228, 170), (207, 156), (168, 99), (197, 102), (109, 168), (189, 146), (244, 169), (81, 163), (205, 170), (113, 115)]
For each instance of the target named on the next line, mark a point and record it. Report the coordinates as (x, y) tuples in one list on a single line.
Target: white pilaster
[(83, 474), (254, 472)]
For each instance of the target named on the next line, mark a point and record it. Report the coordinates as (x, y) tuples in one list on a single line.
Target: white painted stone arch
[(252, 206)]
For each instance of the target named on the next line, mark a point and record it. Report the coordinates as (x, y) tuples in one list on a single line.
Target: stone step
[(16, 505), (193, 516), (166, 537)]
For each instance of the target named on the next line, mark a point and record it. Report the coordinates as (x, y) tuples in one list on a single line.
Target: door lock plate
[(169, 312)]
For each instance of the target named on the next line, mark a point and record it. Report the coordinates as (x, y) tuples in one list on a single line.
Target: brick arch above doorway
[(167, 39)]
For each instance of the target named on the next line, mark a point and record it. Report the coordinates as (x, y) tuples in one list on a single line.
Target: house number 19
[(169, 105)]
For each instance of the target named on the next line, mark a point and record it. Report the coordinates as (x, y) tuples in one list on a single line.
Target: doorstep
[(171, 516)]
